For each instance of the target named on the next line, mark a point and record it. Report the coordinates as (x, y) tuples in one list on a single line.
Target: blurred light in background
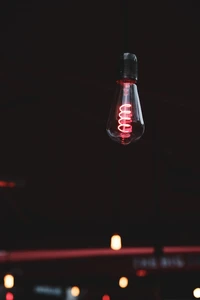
[(196, 293), (116, 242), (9, 296), (48, 290), (7, 184), (106, 297), (8, 281), (123, 282), (141, 273), (75, 291)]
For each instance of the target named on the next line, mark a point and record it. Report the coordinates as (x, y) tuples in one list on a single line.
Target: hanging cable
[(125, 25), (117, 190)]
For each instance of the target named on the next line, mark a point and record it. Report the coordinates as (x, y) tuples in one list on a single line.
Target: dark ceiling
[(57, 77)]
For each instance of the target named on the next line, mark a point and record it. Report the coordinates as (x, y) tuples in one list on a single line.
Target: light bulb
[(116, 242), (8, 281), (123, 282), (196, 293), (75, 291), (125, 123)]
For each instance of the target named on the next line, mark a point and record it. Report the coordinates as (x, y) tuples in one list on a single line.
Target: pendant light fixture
[(125, 123)]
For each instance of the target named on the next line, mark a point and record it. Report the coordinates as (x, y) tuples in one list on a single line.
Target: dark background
[(57, 78)]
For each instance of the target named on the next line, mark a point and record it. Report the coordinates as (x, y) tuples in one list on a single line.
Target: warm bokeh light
[(75, 291), (8, 281), (7, 184), (9, 296), (196, 293), (116, 242), (106, 297), (141, 273), (123, 282)]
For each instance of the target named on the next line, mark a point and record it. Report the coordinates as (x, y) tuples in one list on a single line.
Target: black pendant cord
[(116, 181), (125, 25)]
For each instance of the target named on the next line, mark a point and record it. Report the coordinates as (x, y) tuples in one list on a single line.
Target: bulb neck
[(128, 67)]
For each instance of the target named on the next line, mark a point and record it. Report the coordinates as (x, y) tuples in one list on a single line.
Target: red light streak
[(125, 118), (81, 253), (69, 254), (182, 249)]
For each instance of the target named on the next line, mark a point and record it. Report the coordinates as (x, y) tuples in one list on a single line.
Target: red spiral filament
[(125, 118)]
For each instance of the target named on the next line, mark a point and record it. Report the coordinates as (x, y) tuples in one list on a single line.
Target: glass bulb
[(75, 291), (8, 281), (125, 123), (123, 282), (196, 293), (116, 242)]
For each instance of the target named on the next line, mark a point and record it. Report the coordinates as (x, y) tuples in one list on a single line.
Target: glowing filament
[(125, 118)]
